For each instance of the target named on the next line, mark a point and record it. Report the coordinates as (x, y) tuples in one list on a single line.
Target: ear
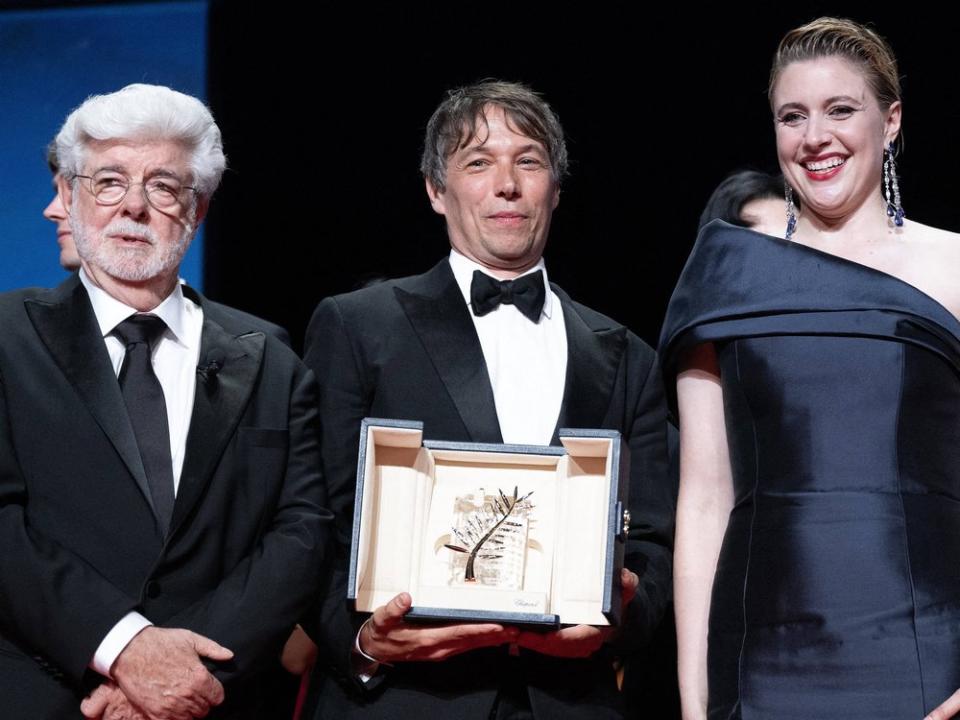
[(556, 196), (891, 126), (203, 204), (65, 191), (437, 200)]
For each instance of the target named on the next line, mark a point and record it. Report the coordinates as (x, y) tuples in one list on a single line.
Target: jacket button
[(153, 589)]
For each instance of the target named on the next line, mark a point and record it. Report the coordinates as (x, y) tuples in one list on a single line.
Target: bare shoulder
[(932, 259), (932, 238)]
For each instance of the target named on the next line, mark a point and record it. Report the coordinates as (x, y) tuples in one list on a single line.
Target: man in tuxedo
[(161, 506), (482, 348)]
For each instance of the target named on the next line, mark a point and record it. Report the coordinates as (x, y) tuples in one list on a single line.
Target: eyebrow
[(844, 98), (159, 172), (162, 172), (530, 147), (829, 101)]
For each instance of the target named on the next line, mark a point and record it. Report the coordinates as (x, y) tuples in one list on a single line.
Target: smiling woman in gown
[(817, 568)]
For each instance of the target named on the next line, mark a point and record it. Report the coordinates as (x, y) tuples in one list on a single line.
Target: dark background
[(323, 121), (323, 109)]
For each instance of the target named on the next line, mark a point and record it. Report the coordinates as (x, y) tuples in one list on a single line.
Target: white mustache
[(131, 227)]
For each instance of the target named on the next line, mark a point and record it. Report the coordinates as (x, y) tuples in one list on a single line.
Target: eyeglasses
[(109, 188)]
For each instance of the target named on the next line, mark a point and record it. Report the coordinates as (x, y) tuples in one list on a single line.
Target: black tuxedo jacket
[(408, 349), (78, 542)]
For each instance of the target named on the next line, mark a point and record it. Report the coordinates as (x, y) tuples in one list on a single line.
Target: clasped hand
[(160, 676)]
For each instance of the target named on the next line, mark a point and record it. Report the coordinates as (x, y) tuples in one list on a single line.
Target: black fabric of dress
[(837, 592)]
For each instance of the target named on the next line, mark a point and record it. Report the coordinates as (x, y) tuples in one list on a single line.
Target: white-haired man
[(161, 509)]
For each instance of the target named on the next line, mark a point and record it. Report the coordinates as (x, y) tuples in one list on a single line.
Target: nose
[(54, 212), (134, 204), (508, 186), (816, 134)]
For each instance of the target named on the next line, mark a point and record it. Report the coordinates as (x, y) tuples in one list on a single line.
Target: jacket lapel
[(68, 328), (441, 319), (219, 402), (594, 355)]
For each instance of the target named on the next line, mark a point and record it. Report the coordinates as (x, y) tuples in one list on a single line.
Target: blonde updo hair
[(838, 37)]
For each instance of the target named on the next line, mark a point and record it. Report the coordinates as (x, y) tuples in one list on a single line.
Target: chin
[(131, 270), (138, 265), (516, 254)]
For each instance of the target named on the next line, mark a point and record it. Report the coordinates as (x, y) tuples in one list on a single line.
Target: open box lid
[(404, 490)]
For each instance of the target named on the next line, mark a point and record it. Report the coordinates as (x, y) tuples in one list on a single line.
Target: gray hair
[(141, 112), (454, 124), (52, 161)]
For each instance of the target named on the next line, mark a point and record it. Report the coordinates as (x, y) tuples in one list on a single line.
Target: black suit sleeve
[(652, 502), (253, 609), (345, 399), (50, 599)]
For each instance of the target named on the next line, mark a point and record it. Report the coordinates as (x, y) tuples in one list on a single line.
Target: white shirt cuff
[(364, 667), (116, 640)]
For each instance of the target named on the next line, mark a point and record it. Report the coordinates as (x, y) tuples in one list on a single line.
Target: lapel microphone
[(212, 365)]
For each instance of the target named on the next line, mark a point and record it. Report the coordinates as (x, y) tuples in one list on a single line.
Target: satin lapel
[(593, 358), (218, 404), (441, 319), (68, 327)]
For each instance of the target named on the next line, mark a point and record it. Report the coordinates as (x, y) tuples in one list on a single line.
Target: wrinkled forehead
[(136, 156)]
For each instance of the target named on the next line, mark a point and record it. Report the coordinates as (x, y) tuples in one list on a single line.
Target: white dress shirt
[(527, 364), (175, 359), (527, 361)]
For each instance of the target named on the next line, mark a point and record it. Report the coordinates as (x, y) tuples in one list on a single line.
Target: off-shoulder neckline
[(847, 262)]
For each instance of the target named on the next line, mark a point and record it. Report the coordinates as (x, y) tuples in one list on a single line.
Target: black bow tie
[(527, 293)]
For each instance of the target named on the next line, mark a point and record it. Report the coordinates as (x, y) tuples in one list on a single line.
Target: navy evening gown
[(837, 592)]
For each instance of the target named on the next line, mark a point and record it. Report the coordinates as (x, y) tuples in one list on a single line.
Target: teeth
[(824, 164)]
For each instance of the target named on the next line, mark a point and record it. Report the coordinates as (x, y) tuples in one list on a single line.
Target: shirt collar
[(463, 268), (110, 312)]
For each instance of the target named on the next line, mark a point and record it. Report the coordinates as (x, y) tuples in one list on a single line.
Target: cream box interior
[(524, 534)]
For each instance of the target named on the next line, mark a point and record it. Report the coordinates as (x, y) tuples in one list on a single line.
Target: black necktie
[(147, 409), (527, 293)]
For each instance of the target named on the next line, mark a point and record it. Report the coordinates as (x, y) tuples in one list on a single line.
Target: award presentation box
[(516, 534)]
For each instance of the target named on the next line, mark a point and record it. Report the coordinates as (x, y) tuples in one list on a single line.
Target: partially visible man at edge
[(56, 213)]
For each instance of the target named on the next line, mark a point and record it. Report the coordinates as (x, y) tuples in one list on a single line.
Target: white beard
[(132, 264)]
